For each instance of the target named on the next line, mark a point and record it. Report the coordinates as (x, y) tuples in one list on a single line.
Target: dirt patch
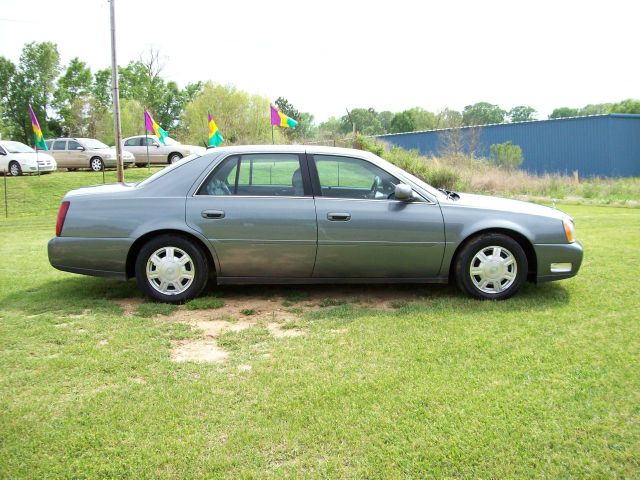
[(129, 305), (273, 307)]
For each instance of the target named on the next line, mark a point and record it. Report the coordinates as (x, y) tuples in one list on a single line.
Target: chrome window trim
[(425, 197)]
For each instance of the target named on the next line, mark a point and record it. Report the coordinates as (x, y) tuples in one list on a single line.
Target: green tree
[(240, 116), (385, 120), (31, 83), (448, 118), (564, 112), (366, 120), (506, 155), (403, 122), (482, 113), (330, 128), (7, 71), (630, 105), (72, 97), (521, 113)]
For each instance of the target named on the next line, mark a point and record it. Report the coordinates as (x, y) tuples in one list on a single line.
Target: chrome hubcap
[(170, 270), (96, 165), (493, 269), (14, 170)]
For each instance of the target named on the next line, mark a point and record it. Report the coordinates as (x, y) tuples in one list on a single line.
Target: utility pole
[(115, 93)]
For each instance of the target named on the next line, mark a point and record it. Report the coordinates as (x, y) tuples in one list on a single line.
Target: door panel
[(257, 236), (363, 231), (380, 238)]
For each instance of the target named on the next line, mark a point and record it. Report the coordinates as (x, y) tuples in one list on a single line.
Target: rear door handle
[(339, 217), (213, 214)]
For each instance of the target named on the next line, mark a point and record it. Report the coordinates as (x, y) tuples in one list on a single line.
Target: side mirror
[(157, 145), (403, 192), (2, 152), (80, 148)]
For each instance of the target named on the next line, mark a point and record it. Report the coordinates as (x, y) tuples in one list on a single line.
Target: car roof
[(317, 149)]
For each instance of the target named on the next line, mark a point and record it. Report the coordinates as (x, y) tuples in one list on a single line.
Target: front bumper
[(41, 168), (558, 261)]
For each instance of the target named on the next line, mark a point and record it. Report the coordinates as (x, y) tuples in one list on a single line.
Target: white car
[(17, 158), (159, 154)]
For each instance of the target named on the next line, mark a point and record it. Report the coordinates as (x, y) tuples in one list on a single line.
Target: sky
[(325, 56)]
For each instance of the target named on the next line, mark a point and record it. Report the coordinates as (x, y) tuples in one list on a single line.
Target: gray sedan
[(301, 214)]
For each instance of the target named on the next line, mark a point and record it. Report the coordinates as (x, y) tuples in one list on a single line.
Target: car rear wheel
[(491, 267), (172, 269), (140, 165), (96, 164), (174, 157), (14, 169)]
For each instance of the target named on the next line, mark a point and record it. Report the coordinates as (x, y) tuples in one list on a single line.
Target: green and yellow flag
[(37, 132)]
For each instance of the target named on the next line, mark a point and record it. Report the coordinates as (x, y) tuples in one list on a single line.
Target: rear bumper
[(556, 262), (101, 257), (112, 163)]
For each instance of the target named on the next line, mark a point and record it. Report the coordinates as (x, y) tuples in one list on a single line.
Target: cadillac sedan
[(301, 214)]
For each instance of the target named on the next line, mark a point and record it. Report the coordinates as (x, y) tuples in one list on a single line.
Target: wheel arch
[(522, 240), (140, 241)]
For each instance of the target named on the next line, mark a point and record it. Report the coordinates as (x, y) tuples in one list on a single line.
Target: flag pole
[(38, 159), (116, 96), (146, 141), (273, 141)]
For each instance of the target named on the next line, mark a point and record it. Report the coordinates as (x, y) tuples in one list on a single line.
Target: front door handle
[(213, 214), (339, 217)]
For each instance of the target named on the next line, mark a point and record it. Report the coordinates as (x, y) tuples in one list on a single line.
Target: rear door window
[(59, 145), (271, 175)]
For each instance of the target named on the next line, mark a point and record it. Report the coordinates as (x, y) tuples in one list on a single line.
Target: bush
[(506, 155)]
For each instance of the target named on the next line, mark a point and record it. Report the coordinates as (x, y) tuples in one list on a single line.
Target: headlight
[(569, 230)]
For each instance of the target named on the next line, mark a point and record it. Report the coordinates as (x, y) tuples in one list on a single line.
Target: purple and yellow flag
[(215, 137), (280, 119), (37, 132), (151, 126)]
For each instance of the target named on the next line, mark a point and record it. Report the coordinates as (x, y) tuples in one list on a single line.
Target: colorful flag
[(37, 133), (215, 138), (280, 119), (152, 126)]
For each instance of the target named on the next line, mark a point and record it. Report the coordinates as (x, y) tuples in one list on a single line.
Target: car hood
[(30, 157), (111, 151), (487, 202)]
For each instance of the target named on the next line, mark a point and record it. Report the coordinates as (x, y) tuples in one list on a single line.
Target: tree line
[(71, 100)]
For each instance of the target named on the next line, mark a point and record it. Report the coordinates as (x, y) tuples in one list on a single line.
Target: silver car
[(158, 153), (75, 153), (302, 214)]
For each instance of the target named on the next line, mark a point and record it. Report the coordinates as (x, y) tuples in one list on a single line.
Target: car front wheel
[(172, 269), (14, 169), (96, 164), (492, 266)]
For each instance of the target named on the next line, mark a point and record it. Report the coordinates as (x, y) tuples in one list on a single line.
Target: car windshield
[(92, 144), (166, 170), (17, 147)]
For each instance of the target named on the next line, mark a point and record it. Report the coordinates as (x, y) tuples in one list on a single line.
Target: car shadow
[(78, 293)]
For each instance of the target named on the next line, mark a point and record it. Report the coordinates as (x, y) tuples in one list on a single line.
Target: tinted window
[(59, 144), (345, 177), (2, 151), (256, 175), (132, 142), (73, 145), (148, 141), (48, 144)]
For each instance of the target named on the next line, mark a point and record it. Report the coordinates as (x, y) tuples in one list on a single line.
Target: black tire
[(71, 169), (198, 266), (96, 164), (503, 278), (15, 170), (141, 165), (173, 158)]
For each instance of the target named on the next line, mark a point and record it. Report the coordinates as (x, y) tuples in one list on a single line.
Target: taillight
[(62, 214)]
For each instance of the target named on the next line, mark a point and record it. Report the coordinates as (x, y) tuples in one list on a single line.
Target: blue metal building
[(598, 145)]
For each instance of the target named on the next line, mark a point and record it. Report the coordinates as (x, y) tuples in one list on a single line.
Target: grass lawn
[(544, 385)]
